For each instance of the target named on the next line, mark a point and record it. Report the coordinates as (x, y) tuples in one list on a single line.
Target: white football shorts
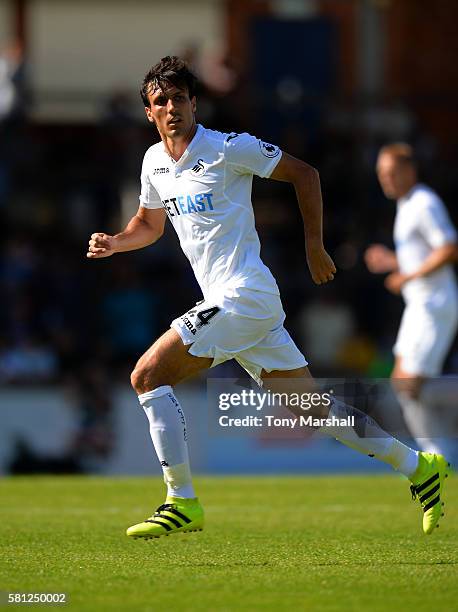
[(425, 336), (247, 327)]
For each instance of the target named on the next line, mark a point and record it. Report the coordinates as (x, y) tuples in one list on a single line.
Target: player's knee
[(405, 387), (143, 379), (137, 380), (397, 381)]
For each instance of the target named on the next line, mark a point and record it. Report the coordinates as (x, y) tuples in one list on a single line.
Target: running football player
[(201, 180)]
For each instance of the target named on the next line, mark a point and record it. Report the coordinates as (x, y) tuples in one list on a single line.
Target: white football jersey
[(422, 224), (207, 197)]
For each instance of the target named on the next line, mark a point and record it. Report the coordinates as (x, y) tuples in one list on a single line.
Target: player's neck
[(177, 146), (407, 189)]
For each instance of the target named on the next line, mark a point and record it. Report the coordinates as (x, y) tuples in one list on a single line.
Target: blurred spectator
[(325, 325), (216, 73), (94, 440), (11, 76), (128, 316), (30, 361), (19, 262), (11, 110)]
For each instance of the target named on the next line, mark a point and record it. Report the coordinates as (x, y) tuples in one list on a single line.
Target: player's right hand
[(320, 264), (100, 245), (379, 259)]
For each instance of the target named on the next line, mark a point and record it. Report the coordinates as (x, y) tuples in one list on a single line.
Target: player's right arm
[(145, 228), (379, 259)]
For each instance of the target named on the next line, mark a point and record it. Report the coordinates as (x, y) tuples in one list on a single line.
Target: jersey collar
[(189, 149), (408, 195)]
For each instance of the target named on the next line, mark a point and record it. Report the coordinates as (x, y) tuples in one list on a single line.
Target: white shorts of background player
[(425, 335)]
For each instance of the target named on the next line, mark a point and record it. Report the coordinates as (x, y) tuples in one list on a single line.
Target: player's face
[(172, 111), (395, 178)]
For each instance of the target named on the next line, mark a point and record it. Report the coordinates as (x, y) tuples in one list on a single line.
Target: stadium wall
[(72, 48), (6, 23)]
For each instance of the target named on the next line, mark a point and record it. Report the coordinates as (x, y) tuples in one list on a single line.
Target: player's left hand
[(320, 264), (395, 281)]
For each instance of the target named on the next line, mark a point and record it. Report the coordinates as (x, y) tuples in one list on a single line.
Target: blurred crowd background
[(329, 81)]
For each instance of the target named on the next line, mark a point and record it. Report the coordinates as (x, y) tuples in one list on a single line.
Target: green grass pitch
[(305, 543)]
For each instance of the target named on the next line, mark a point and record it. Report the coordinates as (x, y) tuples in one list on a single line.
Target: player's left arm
[(306, 182), (436, 259)]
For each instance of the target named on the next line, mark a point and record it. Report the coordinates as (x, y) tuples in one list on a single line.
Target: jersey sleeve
[(435, 224), (246, 154), (149, 197)]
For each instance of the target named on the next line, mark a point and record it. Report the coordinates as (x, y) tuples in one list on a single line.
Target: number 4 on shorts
[(206, 315)]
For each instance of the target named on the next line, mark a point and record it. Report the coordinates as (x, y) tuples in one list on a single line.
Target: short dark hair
[(402, 152), (171, 70)]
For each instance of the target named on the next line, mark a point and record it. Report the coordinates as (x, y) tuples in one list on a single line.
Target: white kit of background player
[(421, 270)]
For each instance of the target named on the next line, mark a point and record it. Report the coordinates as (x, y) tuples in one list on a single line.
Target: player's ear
[(193, 104), (149, 114)]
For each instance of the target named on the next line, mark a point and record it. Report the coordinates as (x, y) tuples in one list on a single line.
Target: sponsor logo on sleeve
[(268, 150)]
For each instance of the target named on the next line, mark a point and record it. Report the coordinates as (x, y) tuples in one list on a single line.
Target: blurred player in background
[(421, 269), (201, 180)]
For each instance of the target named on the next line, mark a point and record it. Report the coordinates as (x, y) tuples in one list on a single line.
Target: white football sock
[(368, 438), (167, 426)]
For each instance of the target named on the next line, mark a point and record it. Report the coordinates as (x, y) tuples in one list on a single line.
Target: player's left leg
[(425, 471), (366, 436)]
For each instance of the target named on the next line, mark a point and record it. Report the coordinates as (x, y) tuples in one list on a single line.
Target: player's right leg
[(204, 336), (208, 334), (165, 364)]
